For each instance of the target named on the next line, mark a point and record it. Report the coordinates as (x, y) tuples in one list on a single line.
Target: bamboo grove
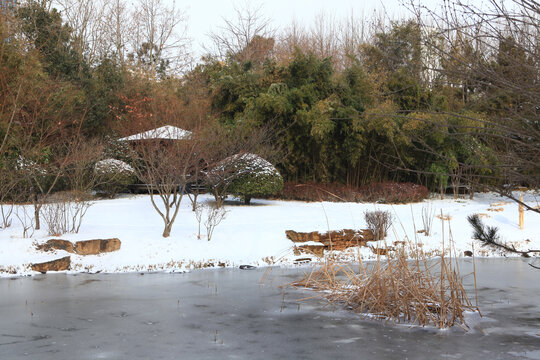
[(435, 99)]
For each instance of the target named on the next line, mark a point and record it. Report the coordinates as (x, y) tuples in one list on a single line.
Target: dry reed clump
[(378, 222), (406, 287)]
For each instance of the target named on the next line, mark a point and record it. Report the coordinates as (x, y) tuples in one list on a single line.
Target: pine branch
[(489, 237)]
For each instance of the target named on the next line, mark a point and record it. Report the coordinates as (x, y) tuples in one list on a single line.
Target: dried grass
[(443, 217), (378, 222), (406, 287), (428, 213), (64, 211)]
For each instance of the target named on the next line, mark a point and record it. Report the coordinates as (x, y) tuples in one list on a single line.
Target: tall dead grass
[(405, 286)]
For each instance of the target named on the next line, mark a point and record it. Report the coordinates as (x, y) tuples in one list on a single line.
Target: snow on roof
[(166, 132)]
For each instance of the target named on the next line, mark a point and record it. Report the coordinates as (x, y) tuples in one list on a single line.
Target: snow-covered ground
[(255, 234)]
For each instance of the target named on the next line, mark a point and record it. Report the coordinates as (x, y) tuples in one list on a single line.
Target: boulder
[(332, 240), (98, 246), (57, 244), (303, 237), (85, 247), (53, 265), (317, 250), (331, 236)]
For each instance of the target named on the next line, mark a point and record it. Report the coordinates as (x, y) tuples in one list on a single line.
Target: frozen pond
[(229, 314)]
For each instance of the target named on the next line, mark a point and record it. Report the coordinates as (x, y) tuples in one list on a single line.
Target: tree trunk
[(167, 230), (247, 200), (194, 202), (471, 191), (36, 216)]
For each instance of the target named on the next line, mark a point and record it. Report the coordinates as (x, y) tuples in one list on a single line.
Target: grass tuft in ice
[(404, 286)]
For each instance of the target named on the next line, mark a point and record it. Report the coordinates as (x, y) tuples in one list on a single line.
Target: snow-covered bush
[(249, 175), (114, 176)]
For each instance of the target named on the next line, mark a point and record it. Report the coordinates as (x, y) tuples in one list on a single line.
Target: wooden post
[(521, 225)]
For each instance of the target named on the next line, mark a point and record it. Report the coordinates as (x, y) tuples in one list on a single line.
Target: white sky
[(205, 16)]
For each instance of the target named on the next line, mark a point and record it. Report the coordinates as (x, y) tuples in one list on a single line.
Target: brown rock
[(302, 237), (57, 244), (86, 247), (339, 240), (334, 240), (333, 236), (381, 251), (317, 250), (54, 265), (98, 246), (468, 253)]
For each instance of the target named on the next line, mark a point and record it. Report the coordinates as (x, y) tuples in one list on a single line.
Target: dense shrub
[(318, 192), (393, 193), (387, 192), (113, 176), (254, 176)]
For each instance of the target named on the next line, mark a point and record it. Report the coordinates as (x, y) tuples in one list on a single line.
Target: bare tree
[(491, 56), (43, 139), (158, 40), (84, 154), (8, 196), (12, 87), (329, 37), (291, 38), (353, 33), (324, 37), (117, 25), (164, 166), (243, 36), (87, 24), (39, 173), (214, 216), (64, 211)]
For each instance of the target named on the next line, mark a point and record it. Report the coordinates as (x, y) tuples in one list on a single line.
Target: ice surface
[(229, 314)]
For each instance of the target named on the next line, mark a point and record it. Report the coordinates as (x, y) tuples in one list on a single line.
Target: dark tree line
[(452, 103)]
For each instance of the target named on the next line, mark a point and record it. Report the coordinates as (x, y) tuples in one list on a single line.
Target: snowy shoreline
[(255, 234)]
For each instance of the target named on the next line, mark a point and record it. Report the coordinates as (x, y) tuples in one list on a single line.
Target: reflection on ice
[(535, 354), (215, 314)]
